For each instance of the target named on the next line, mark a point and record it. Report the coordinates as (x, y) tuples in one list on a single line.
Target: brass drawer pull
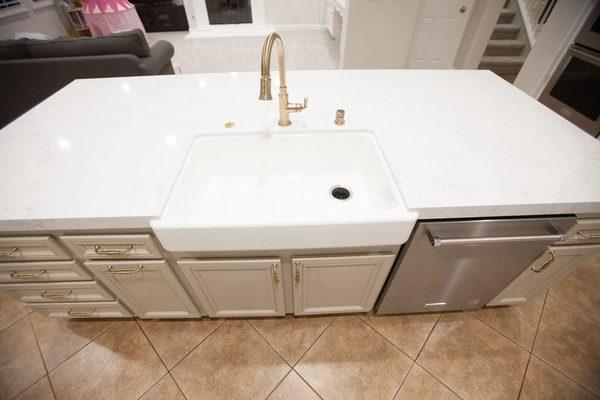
[(275, 273), (12, 250), (80, 314), (546, 264), (298, 274), (112, 252), (588, 235), (16, 275), (47, 295), (124, 271)]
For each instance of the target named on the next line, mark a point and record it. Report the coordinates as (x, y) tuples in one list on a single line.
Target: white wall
[(377, 33), (43, 20), (551, 44), (294, 12)]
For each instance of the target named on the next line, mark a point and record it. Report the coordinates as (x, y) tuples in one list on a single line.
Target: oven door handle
[(436, 241)]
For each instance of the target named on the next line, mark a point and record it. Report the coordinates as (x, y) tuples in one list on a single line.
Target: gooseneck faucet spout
[(285, 108)]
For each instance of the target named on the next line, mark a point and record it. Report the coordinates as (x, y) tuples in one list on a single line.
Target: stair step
[(502, 64), (506, 16), (505, 31), (508, 47)]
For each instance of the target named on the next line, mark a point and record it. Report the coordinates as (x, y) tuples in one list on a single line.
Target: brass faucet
[(285, 108)]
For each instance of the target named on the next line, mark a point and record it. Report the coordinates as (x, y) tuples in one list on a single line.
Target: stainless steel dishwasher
[(463, 264)]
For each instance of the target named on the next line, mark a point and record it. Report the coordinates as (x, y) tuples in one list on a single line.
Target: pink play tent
[(108, 16)]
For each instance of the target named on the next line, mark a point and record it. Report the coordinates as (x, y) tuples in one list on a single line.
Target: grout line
[(425, 369), (86, 345), (195, 347), (12, 323), (161, 360), (178, 387), (154, 384), (404, 379), (503, 334), (428, 336), (308, 384), (563, 374), (312, 344), (531, 352), (386, 339), (436, 378), (574, 308), (41, 356), (276, 386), (33, 384), (268, 344), (152, 345)]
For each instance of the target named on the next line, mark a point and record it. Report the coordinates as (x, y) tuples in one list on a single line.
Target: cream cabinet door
[(327, 285), (548, 268), (148, 287), (237, 288)]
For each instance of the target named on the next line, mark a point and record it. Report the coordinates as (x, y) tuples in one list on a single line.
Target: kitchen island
[(100, 157)]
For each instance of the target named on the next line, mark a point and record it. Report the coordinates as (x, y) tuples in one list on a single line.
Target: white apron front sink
[(273, 191)]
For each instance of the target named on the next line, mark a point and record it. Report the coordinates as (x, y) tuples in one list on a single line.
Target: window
[(8, 3)]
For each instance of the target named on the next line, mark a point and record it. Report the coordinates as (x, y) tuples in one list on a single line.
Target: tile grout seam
[(41, 356), (532, 344), (574, 308), (425, 369), (83, 347), (161, 360)]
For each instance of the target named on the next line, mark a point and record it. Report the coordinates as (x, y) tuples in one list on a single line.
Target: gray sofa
[(32, 70)]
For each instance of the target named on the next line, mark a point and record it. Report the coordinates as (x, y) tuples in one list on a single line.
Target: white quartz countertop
[(103, 153)]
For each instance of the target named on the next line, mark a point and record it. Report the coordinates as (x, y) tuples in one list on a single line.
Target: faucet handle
[(305, 102)]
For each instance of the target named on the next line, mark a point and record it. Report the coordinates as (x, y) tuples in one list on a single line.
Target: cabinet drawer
[(552, 265), (588, 230), (106, 309), (31, 248), (148, 287), (112, 246), (57, 292), (42, 271)]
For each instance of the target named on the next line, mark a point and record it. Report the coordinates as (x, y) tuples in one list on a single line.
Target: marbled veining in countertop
[(103, 153)]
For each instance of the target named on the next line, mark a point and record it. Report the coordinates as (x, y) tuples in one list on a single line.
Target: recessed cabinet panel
[(148, 287), (57, 292), (31, 248), (112, 246), (106, 309), (324, 285), (237, 288), (548, 268), (42, 272)]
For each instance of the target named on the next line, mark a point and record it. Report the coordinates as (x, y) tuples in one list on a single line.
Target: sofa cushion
[(13, 50), (128, 42)]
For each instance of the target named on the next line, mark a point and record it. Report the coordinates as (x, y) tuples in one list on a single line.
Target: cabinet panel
[(106, 309), (149, 288), (31, 248), (42, 272), (112, 246), (325, 285), (548, 268), (237, 288), (54, 292)]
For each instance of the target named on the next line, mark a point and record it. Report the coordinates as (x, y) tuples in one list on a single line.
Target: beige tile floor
[(549, 349)]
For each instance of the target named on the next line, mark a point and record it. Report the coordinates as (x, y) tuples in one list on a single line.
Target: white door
[(237, 288), (327, 285), (547, 269), (148, 287), (438, 33)]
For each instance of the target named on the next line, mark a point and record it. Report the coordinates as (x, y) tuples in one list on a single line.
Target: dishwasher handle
[(436, 241)]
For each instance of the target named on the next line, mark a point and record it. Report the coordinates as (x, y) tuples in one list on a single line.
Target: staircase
[(504, 54)]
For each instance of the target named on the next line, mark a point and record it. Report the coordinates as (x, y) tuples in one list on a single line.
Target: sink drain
[(340, 193)]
